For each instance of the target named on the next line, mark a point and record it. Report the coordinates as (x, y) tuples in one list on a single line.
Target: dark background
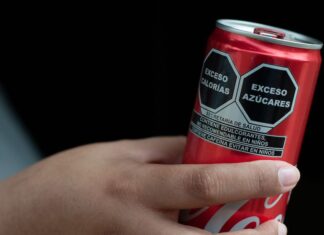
[(80, 74)]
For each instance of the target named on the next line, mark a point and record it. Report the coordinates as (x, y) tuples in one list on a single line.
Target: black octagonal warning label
[(218, 82), (237, 112), (267, 95)]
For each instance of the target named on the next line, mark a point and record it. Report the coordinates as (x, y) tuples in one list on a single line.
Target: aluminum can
[(254, 96)]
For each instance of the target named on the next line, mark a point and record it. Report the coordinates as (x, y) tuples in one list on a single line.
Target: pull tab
[(269, 33)]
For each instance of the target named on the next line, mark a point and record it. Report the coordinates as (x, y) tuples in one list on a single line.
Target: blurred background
[(80, 74)]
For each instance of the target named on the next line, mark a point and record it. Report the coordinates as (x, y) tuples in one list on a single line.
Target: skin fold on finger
[(196, 186), (269, 228)]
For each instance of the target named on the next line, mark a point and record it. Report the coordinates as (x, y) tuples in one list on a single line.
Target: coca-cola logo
[(219, 221)]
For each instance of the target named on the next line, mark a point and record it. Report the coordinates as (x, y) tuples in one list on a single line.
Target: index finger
[(195, 186)]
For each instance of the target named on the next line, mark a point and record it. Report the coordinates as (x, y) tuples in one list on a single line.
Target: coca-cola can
[(254, 96)]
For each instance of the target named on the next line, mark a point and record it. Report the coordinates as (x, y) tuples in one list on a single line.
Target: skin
[(129, 187)]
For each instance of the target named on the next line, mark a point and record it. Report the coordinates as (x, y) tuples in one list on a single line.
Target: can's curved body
[(254, 96)]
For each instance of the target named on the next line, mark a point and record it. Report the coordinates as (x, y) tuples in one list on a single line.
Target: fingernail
[(288, 176), (282, 229)]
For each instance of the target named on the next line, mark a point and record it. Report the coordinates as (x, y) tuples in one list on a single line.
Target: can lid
[(269, 34)]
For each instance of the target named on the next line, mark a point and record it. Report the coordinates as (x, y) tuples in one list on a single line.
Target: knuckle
[(117, 188), (122, 186), (263, 179), (202, 184)]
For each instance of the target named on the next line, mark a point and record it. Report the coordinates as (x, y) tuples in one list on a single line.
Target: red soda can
[(254, 96)]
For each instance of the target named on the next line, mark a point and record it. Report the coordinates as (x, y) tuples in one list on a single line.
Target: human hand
[(131, 187)]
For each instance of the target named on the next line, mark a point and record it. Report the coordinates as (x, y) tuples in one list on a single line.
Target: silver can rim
[(293, 39)]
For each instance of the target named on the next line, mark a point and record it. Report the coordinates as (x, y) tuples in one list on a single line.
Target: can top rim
[(279, 36)]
